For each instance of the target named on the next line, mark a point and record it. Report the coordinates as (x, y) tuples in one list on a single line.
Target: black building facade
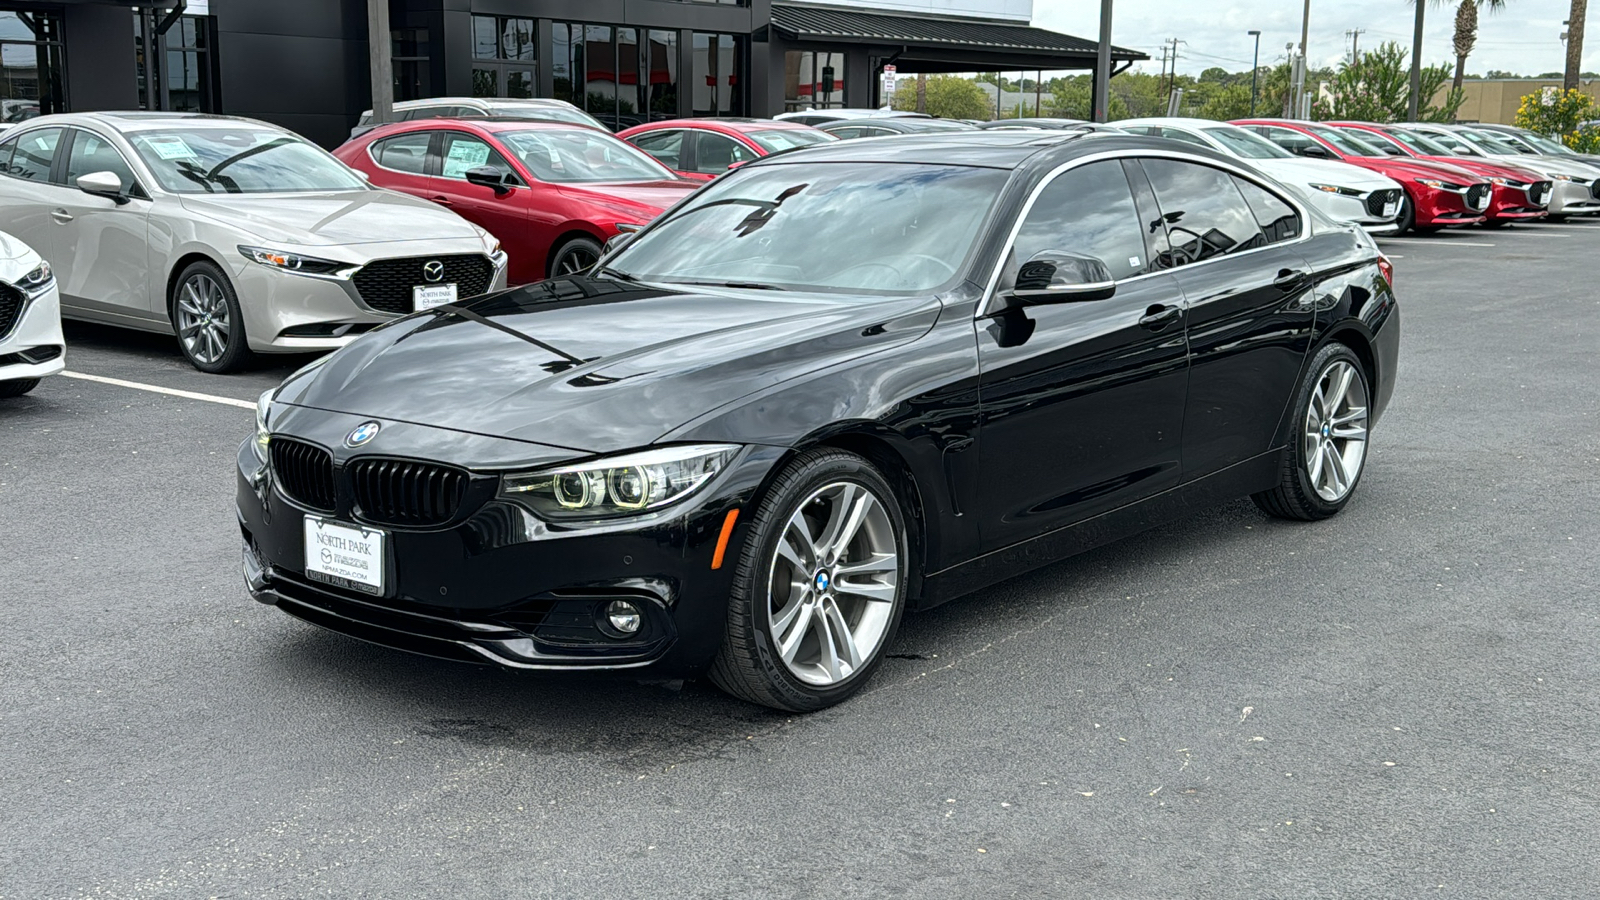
[(304, 63)]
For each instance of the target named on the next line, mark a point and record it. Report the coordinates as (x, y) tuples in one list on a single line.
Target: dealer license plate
[(431, 295), (345, 556), (1390, 208)]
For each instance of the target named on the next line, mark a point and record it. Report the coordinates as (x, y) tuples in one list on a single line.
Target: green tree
[(949, 97), (1377, 88), (1215, 75), (1559, 114), (1231, 102)]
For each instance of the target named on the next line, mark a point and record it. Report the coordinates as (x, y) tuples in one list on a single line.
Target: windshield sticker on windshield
[(170, 147), (464, 155)]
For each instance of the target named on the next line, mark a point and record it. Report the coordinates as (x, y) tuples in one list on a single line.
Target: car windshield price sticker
[(428, 296), (344, 556), (464, 155), (170, 147)]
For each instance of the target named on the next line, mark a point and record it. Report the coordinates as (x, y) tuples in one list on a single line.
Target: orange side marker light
[(722, 540)]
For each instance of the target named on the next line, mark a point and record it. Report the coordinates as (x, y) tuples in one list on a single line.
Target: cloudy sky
[(1522, 38)]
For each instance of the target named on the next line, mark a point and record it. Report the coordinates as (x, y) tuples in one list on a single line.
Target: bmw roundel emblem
[(364, 432), (823, 581)]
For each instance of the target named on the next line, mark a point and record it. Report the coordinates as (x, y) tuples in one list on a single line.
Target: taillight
[(1387, 268)]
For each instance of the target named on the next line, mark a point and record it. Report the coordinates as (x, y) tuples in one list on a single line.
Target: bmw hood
[(596, 365), (332, 218), (1301, 172)]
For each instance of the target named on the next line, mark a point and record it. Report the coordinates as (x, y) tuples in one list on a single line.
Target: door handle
[(61, 216), (442, 201), (1158, 316), (1290, 279)]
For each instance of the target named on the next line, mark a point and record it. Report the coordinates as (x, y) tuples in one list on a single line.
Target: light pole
[(1255, 71), (1102, 67)]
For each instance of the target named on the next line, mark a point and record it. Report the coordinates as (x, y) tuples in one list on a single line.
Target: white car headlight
[(263, 436), (1335, 189), (286, 261), (1559, 177), (616, 486), (36, 282)]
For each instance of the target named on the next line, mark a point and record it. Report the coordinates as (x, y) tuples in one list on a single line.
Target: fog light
[(624, 617)]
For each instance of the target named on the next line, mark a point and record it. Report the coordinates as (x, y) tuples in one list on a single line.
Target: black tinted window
[(715, 153), (666, 146), (1087, 211), (1278, 220), (404, 153), (1205, 214), (35, 153)]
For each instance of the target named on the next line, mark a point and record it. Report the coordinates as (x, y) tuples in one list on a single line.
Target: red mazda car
[(1437, 194), (1519, 194), (552, 193), (702, 149)]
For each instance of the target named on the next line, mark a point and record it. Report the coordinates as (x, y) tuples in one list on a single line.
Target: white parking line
[(154, 389), (1543, 234), (1444, 243)]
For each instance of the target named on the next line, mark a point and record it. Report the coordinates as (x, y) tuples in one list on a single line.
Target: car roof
[(991, 149), (741, 125), (482, 126), (138, 120)]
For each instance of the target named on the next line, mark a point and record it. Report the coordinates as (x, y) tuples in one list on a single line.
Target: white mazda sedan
[(235, 235), (30, 319)]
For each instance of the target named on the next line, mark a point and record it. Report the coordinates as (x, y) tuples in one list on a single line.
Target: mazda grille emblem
[(364, 432), (433, 271)]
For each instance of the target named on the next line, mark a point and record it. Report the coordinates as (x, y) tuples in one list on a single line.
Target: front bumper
[(498, 586), (33, 346), (289, 313), (1441, 207), (1352, 208), (1511, 203), (1571, 198)]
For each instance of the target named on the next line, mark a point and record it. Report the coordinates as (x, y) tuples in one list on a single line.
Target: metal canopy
[(942, 43)]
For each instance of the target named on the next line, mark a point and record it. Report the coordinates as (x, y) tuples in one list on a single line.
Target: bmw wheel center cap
[(363, 433), (823, 581)]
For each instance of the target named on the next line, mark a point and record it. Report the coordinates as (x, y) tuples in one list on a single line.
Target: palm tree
[(1466, 36), (1580, 9)]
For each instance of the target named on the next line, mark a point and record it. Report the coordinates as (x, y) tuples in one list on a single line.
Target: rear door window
[(1278, 220), (34, 154), (406, 153), (716, 153), (665, 146)]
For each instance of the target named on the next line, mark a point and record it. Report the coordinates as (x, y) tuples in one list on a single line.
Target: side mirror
[(103, 184), (362, 175), (1315, 151), (489, 177), (1056, 277), (618, 242)]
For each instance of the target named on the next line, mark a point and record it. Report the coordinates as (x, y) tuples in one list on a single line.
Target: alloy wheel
[(576, 260), (1335, 435), (834, 581), (203, 322)]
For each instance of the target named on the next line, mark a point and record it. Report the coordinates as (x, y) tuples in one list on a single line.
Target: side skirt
[(1241, 479)]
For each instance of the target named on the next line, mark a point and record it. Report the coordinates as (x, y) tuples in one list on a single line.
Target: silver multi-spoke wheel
[(1335, 435), (834, 581), (576, 258), (204, 325)]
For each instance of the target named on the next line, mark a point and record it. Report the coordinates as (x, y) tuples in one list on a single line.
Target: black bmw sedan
[(827, 387)]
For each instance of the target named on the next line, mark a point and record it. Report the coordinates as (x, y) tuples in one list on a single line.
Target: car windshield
[(1382, 142), (225, 160), (575, 156), (1344, 142), (1243, 144), (778, 140), (885, 228), (1419, 143), (1490, 144), (1455, 145), (553, 113), (1545, 145)]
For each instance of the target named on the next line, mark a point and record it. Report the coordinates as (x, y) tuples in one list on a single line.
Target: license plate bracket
[(346, 556), (428, 296)]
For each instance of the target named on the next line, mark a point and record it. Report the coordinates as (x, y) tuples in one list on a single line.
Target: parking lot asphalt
[(1397, 702)]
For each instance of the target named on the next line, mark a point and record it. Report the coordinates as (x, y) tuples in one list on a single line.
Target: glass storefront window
[(505, 56), (812, 80), (410, 49), (31, 80), (660, 68), (718, 83), (182, 80), (604, 71)]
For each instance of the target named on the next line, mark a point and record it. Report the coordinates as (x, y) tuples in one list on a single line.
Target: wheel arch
[(570, 232), (184, 261)]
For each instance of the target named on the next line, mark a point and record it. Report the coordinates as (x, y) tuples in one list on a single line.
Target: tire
[(779, 657), (1555, 218), (1408, 215), (574, 257), (207, 320), (1310, 485), (17, 387)]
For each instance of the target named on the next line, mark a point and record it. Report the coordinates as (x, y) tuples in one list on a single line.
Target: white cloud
[(1522, 38)]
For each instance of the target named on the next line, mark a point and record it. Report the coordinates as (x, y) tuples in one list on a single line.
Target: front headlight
[(620, 485), (1434, 183), (1499, 182), (263, 437), (37, 281), (1335, 189), (1560, 177), (285, 261)]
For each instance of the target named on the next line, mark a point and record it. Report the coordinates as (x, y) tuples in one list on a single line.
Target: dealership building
[(304, 63)]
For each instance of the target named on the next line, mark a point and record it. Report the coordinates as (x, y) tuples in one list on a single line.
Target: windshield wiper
[(615, 273), (740, 285)]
